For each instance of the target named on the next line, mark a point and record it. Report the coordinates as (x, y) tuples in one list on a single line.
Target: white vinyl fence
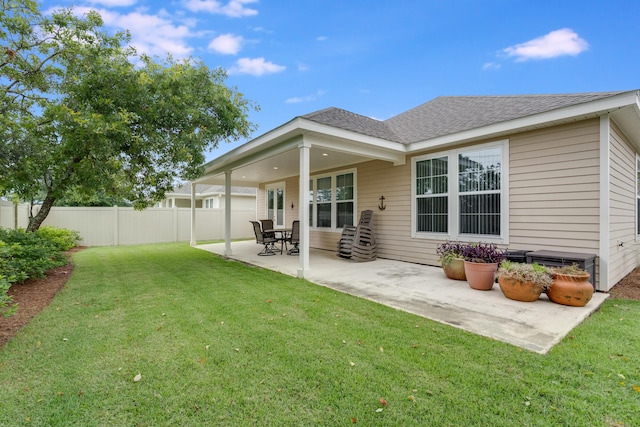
[(112, 226)]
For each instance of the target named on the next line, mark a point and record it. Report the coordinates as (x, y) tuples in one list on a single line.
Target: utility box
[(558, 259), (517, 255)]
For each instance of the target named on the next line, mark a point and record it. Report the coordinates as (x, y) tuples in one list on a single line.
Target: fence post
[(175, 223), (116, 226)]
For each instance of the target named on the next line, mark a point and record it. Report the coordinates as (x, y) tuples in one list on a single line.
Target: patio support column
[(193, 214), (227, 213), (303, 203)]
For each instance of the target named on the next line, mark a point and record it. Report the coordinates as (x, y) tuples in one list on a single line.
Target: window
[(459, 194), (479, 191), (432, 195), (211, 202), (332, 200)]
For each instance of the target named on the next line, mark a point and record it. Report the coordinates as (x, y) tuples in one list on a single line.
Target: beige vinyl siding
[(554, 188), (622, 198)]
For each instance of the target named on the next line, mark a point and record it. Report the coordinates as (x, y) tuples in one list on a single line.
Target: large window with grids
[(332, 200), (460, 193)]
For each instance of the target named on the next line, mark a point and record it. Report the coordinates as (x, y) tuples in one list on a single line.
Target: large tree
[(84, 113)]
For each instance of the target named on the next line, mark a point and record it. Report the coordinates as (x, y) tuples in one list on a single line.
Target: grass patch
[(221, 343)]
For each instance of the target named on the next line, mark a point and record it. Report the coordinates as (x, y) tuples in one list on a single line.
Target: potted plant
[(523, 282), (570, 286), (481, 263), (452, 260)]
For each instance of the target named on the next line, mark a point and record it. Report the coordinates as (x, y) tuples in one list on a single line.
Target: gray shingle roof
[(446, 115)]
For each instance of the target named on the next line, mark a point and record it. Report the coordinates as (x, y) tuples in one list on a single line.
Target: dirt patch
[(32, 297), (35, 294), (629, 287)]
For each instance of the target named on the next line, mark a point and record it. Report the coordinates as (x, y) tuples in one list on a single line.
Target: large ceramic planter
[(571, 289), (480, 275), (518, 290), (454, 269)]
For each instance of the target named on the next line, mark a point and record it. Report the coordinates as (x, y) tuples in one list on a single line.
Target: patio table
[(281, 235)]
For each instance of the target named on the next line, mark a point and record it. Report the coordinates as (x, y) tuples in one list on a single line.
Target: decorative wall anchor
[(382, 206)]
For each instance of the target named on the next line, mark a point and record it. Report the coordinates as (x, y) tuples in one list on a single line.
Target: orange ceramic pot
[(519, 291), (571, 289), (480, 275), (454, 269)]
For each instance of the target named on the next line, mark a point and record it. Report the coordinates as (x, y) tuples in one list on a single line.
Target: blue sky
[(380, 58)]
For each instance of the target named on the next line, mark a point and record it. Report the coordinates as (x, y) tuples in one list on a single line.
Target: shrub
[(6, 306), (61, 238), (24, 255)]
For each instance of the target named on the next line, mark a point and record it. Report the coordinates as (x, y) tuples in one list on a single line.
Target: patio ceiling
[(275, 155)]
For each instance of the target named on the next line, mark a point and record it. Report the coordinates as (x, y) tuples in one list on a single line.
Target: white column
[(303, 202), (227, 213), (193, 214)]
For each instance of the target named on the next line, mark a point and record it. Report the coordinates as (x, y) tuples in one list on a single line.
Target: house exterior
[(530, 172), (209, 197)]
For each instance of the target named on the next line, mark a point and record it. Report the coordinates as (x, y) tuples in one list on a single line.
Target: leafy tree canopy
[(82, 112)]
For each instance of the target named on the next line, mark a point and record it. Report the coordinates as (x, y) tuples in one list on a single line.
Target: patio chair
[(262, 239), (294, 238), (358, 242)]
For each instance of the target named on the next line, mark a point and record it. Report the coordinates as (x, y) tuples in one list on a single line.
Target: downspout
[(227, 213), (303, 201), (605, 189)]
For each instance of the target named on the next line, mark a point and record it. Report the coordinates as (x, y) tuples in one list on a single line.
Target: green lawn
[(222, 343)]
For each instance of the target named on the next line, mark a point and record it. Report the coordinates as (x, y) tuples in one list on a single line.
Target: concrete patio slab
[(425, 291)]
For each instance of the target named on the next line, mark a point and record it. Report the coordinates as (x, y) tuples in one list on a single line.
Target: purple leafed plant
[(483, 252)]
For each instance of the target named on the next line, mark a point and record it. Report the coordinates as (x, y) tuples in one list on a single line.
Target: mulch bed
[(35, 294)]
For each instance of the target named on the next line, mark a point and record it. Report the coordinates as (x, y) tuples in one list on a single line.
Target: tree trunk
[(36, 221)]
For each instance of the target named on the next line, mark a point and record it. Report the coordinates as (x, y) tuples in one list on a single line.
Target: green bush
[(24, 255), (60, 238), (6, 306)]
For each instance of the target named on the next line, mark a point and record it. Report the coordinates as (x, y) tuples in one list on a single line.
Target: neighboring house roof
[(447, 115), (205, 189)]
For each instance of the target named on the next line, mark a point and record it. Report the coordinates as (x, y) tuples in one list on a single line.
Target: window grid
[(432, 207), (332, 204)]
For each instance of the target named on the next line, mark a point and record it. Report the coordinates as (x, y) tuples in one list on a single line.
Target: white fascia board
[(578, 112), (343, 134)]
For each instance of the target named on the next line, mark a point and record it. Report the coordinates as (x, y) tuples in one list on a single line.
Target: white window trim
[(274, 186), (453, 193), (334, 202)]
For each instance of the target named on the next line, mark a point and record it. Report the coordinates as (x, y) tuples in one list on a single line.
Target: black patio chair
[(261, 239), (294, 238)]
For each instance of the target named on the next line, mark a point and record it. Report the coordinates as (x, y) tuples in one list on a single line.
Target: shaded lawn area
[(220, 343)]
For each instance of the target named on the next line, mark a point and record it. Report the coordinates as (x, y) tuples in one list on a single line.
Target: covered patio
[(425, 291)]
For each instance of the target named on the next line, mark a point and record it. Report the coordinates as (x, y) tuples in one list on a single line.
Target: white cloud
[(557, 43), (226, 44), (491, 66), (234, 8), (308, 98), (114, 3), (150, 34), (255, 67), (322, 38)]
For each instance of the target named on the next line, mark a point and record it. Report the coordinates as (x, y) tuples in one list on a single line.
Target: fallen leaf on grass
[(379, 409), (354, 420), (383, 402), (137, 378), (201, 361), (352, 363), (637, 388)]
